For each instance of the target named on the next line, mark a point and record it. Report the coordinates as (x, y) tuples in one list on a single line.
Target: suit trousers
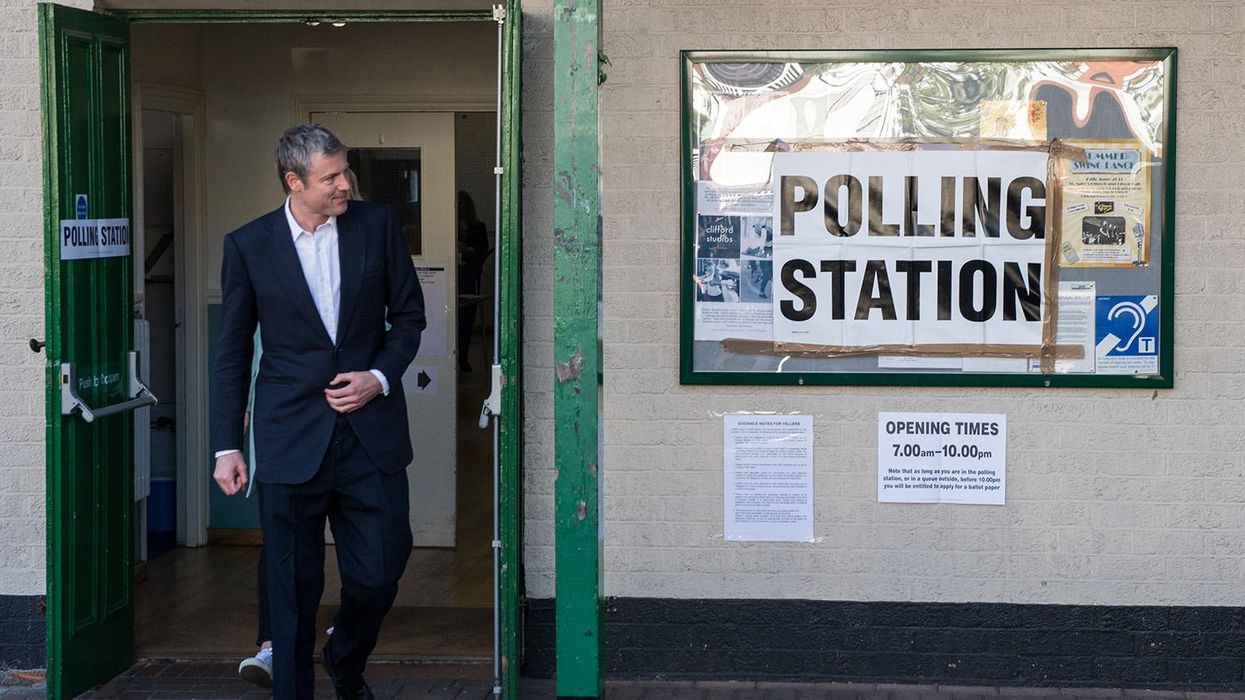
[(368, 512)]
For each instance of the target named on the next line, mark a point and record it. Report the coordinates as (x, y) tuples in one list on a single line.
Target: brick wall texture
[(1113, 496), (22, 422)]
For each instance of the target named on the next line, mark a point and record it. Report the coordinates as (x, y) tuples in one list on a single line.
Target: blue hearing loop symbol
[(1131, 321)]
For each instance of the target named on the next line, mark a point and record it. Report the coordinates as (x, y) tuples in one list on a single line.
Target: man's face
[(325, 190)]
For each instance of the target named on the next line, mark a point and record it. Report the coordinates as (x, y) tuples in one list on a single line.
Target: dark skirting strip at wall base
[(23, 632), (996, 644)]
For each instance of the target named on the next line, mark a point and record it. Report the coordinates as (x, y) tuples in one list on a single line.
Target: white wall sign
[(433, 282), (420, 380), (942, 458), (84, 239), (768, 462)]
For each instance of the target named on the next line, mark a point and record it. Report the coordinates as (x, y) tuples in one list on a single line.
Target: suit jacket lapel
[(351, 252), (289, 270)]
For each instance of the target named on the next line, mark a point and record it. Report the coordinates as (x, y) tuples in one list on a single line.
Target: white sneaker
[(258, 669)]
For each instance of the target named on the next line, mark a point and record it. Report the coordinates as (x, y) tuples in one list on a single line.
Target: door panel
[(420, 145), (85, 60)]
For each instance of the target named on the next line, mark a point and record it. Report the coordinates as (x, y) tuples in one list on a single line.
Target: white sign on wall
[(434, 284), (942, 458), (768, 478)]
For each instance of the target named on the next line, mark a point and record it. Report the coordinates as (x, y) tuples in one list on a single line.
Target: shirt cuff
[(222, 453), (384, 383)]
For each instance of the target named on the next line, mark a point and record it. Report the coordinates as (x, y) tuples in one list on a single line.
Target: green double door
[(90, 389)]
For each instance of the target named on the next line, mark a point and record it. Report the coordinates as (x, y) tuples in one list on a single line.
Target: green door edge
[(509, 292), (510, 348)]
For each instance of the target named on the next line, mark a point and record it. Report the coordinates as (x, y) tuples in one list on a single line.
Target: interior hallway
[(201, 603)]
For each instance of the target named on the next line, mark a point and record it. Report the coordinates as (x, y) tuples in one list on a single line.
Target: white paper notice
[(942, 458), (1075, 327), (432, 280), (768, 463)]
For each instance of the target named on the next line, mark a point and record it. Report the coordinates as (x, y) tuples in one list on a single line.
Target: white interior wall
[(1113, 496), (257, 76)]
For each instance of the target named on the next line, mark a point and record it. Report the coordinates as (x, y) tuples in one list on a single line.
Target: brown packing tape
[(1050, 285), (765, 347)]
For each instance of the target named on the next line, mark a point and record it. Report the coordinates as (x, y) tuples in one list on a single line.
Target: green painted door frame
[(509, 329), (576, 351), (90, 482)]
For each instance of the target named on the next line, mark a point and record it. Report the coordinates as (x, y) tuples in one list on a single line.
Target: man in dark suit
[(322, 277)]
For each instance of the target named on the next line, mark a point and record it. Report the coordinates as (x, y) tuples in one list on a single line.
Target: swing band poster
[(839, 230), (1106, 205)]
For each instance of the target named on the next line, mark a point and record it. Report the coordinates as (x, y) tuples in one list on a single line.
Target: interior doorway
[(253, 81)]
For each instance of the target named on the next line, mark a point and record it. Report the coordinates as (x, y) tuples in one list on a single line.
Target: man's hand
[(231, 473), (349, 391)]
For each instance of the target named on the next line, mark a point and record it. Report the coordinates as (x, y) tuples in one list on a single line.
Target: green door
[(509, 344), (86, 160)]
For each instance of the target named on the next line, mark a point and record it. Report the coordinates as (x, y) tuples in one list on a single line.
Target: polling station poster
[(881, 250), (1105, 210)]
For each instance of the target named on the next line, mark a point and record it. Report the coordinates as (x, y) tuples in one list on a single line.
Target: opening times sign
[(942, 458), (895, 249)]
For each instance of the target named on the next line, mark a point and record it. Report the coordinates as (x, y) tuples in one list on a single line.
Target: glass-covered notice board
[(985, 217)]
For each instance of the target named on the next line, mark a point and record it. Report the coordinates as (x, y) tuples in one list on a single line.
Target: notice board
[(984, 217)]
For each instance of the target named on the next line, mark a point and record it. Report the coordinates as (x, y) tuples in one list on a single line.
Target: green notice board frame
[(1081, 107)]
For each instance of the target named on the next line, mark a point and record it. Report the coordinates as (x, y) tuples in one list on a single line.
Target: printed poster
[(942, 458), (1106, 205), (877, 249), (734, 277), (768, 477)]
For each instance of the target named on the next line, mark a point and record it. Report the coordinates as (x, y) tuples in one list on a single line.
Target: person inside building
[(473, 250)]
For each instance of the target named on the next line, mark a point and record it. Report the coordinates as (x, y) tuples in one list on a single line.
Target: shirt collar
[(295, 229)]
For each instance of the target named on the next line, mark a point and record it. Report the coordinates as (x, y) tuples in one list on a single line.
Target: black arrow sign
[(423, 380)]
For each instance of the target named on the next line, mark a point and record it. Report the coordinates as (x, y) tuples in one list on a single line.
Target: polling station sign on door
[(841, 226), (83, 239)]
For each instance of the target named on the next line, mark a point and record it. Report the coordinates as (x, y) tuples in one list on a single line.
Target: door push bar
[(72, 404)]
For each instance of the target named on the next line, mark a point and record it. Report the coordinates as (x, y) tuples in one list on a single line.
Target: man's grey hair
[(299, 144)]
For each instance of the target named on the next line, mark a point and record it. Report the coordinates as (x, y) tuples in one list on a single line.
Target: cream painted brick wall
[(1114, 497), (22, 474)]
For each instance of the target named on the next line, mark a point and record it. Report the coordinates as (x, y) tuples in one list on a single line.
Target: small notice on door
[(85, 239), (768, 477), (942, 458)]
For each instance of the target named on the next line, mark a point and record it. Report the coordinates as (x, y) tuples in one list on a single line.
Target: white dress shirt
[(317, 253)]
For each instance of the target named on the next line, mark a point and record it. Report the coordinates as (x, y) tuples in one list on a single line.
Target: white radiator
[(142, 417)]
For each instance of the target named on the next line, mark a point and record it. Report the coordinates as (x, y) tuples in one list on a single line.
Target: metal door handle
[(72, 404)]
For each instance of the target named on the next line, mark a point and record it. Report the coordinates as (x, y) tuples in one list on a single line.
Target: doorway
[(194, 56)]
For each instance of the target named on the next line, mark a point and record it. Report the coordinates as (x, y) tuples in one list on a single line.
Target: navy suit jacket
[(262, 283)]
